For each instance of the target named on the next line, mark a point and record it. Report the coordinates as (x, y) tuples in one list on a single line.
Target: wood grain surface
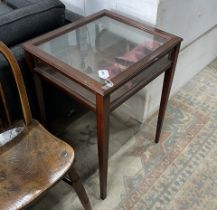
[(30, 163)]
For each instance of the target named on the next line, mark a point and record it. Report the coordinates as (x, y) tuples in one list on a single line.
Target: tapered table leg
[(38, 88), (168, 79), (40, 97), (102, 118)]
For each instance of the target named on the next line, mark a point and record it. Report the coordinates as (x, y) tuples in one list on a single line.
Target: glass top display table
[(101, 61)]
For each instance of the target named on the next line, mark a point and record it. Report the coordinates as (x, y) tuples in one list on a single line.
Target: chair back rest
[(27, 115), (5, 115)]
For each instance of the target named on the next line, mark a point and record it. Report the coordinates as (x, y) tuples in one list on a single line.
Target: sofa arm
[(30, 21), (71, 16)]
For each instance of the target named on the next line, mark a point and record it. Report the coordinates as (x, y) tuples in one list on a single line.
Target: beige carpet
[(179, 173)]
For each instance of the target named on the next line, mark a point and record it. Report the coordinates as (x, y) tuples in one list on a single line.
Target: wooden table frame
[(150, 67)]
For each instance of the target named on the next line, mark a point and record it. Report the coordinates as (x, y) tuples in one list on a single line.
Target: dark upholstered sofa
[(21, 21)]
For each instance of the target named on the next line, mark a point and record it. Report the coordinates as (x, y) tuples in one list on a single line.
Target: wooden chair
[(32, 160)]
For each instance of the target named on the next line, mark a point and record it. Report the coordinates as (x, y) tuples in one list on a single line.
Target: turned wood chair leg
[(79, 189)]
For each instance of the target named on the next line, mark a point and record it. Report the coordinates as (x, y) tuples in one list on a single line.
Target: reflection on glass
[(103, 48)]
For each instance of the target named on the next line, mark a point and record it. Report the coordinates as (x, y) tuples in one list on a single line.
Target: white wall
[(142, 9), (187, 18), (193, 20), (77, 6)]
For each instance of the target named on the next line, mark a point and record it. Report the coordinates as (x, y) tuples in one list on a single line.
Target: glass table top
[(103, 48)]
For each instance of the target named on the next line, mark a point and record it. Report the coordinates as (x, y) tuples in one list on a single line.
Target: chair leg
[(79, 189)]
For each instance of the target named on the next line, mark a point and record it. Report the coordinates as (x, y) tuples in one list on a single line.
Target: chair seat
[(30, 164)]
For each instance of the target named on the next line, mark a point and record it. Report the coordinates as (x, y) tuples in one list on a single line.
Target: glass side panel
[(67, 84), (103, 48), (143, 77)]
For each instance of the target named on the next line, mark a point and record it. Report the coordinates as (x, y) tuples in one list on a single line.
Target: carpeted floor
[(179, 173)]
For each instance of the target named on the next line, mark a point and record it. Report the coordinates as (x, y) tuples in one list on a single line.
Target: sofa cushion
[(4, 8), (16, 4), (30, 21)]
